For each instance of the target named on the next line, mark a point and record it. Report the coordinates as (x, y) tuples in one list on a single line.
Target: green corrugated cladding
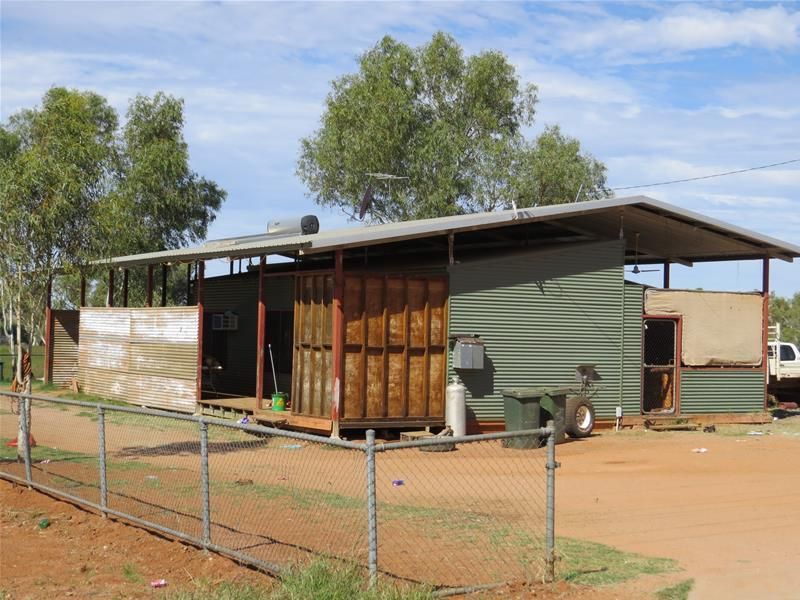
[(239, 293), (632, 349), (540, 314), (722, 391)]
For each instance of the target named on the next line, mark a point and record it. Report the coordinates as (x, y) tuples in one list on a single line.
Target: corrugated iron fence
[(447, 512)]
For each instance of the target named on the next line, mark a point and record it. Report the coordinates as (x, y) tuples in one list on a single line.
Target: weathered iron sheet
[(145, 356)]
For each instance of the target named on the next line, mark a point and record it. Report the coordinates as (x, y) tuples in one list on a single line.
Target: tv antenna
[(369, 193)]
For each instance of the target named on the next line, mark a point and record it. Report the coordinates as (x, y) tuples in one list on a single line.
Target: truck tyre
[(579, 417)]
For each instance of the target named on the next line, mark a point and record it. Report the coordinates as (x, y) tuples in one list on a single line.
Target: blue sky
[(657, 91)]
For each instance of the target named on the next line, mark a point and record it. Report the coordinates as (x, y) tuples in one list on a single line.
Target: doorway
[(660, 348)]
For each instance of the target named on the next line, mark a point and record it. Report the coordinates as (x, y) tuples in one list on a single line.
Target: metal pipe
[(765, 329), (204, 484), (372, 510), (294, 435), (270, 568), (101, 443), (469, 589), (82, 299), (466, 439), (261, 329), (550, 536), (337, 344), (201, 269), (25, 415)]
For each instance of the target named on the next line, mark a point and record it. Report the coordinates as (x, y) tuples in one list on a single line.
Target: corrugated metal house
[(362, 321)]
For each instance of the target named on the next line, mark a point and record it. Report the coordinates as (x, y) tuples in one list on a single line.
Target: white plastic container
[(455, 416)]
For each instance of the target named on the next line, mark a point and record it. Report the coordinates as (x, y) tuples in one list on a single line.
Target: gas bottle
[(456, 407)]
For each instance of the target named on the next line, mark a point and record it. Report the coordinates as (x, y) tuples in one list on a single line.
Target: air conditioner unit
[(226, 321)]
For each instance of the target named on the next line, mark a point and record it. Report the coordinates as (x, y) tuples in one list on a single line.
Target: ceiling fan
[(636, 270)]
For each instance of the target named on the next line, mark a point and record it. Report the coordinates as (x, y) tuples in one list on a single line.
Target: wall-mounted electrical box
[(468, 353)]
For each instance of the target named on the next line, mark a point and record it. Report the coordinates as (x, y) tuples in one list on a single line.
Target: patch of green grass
[(131, 573), (40, 453), (679, 591), (299, 498), (589, 563), (319, 580), (203, 590)]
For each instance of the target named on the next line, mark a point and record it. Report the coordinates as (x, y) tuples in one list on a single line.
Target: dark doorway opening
[(659, 365)]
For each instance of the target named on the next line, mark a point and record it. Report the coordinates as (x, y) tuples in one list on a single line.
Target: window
[(787, 352)]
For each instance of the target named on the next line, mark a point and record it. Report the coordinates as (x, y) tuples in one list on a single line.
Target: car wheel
[(579, 417)]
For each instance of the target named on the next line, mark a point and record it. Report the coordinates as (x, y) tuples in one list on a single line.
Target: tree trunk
[(18, 374)]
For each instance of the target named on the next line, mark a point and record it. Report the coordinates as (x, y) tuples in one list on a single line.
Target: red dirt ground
[(81, 555), (728, 515)]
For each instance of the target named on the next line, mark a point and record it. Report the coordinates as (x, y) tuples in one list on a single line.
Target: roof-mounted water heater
[(307, 225)]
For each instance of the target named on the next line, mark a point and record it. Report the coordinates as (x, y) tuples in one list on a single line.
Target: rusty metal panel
[(395, 348), (64, 364), (145, 356), (312, 381)]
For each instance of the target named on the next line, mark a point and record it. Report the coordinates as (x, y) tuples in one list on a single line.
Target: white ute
[(784, 368)]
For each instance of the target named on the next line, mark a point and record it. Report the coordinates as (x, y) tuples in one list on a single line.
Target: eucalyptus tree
[(448, 129), (75, 186)]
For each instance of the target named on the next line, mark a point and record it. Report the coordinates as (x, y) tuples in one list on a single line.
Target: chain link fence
[(447, 512)]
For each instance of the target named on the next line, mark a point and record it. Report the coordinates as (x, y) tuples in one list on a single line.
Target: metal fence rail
[(448, 512)]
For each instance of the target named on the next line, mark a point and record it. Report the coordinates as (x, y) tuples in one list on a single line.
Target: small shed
[(361, 321)]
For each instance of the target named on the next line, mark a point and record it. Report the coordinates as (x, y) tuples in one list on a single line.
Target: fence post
[(372, 509), (551, 466), (25, 438), (204, 483), (101, 443)]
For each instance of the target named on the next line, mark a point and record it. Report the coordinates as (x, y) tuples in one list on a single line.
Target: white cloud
[(685, 28)]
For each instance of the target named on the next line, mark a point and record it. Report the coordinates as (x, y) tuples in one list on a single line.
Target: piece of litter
[(158, 583), (44, 523), (292, 446), (244, 420), (45, 461), (398, 482), (700, 450), (756, 433), (151, 477)]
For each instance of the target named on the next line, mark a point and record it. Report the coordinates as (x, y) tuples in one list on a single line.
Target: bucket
[(279, 401)]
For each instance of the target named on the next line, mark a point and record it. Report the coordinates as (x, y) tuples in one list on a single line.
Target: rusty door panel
[(395, 348), (312, 378)]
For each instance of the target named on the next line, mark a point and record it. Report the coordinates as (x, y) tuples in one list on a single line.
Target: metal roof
[(666, 232)]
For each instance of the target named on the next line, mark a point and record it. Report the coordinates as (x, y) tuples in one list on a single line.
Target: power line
[(632, 187)]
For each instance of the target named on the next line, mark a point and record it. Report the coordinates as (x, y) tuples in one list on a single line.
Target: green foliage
[(786, 311), (74, 187), (131, 573), (589, 563), (311, 582), (324, 580), (679, 591), (452, 125)]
